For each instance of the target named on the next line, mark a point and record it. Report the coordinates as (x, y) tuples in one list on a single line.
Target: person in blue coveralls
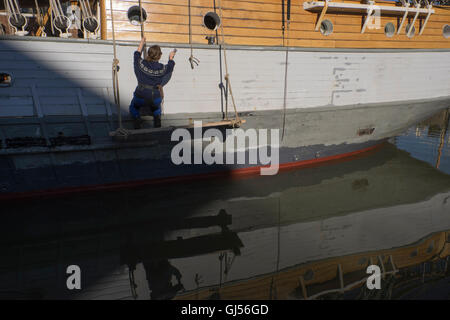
[(151, 76)]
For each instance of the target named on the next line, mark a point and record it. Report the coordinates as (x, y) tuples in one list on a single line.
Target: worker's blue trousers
[(137, 103)]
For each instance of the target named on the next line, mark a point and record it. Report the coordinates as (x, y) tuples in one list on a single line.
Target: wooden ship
[(334, 77)]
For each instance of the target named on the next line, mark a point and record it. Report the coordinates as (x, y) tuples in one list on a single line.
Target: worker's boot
[(157, 121), (138, 123)]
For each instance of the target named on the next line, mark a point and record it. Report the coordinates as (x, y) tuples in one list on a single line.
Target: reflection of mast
[(403, 269), (442, 137), (155, 255)]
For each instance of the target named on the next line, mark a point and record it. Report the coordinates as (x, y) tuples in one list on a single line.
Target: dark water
[(308, 233)]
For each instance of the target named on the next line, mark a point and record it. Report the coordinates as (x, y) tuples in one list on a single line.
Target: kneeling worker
[(151, 76)]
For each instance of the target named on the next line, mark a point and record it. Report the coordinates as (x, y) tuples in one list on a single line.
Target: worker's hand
[(172, 54)]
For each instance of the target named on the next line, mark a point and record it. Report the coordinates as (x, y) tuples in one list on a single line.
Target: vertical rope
[(141, 12), (286, 65), (192, 60), (227, 75), (115, 70)]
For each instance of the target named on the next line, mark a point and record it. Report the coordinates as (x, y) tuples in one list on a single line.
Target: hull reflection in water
[(301, 234)]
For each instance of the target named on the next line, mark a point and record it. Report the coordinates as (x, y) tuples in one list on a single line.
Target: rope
[(12, 7), (237, 121), (39, 19), (141, 13), (85, 9), (288, 22), (273, 287), (192, 59), (115, 74)]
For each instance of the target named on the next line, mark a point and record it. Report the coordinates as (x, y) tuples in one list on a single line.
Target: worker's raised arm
[(141, 45)]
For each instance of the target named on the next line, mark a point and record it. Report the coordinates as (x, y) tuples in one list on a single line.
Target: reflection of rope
[(273, 288), (133, 285), (442, 137)]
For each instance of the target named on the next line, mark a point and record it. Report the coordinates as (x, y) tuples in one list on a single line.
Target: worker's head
[(154, 53)]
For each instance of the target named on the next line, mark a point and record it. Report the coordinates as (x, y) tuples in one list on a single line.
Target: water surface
[(301, 234)]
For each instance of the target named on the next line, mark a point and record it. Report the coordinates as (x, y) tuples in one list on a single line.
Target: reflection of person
[(151, 76), (159, 277)]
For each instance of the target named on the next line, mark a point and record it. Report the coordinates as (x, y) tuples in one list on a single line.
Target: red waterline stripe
[(233, 174)]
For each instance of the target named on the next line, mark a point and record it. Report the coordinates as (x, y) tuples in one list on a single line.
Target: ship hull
[(56, 117)]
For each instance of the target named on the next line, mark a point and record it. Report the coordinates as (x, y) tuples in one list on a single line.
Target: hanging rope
[(288, 21), (141, 13), (115, 75), (237, 120), (39, 19), (192, 60)]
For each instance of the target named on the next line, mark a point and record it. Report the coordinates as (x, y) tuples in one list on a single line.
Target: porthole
[(5, 79), (389, 29), (211, 21), (413, 31), (134, 15), (326, 27), (446, 31)]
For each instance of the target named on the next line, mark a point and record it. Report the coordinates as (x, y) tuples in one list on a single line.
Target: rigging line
[(39, 16), (115, 70), (286, 67), (141, 12), (227, 75), (222, 94), (282, 19), (192, 60), (272, 284)]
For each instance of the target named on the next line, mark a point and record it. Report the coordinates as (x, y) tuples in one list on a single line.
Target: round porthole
[(326, 27), (134, 15), (446, 31), (413, 31), (389, 29), (211, 21)]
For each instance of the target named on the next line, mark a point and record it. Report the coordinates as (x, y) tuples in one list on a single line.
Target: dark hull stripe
[(233, 174)]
